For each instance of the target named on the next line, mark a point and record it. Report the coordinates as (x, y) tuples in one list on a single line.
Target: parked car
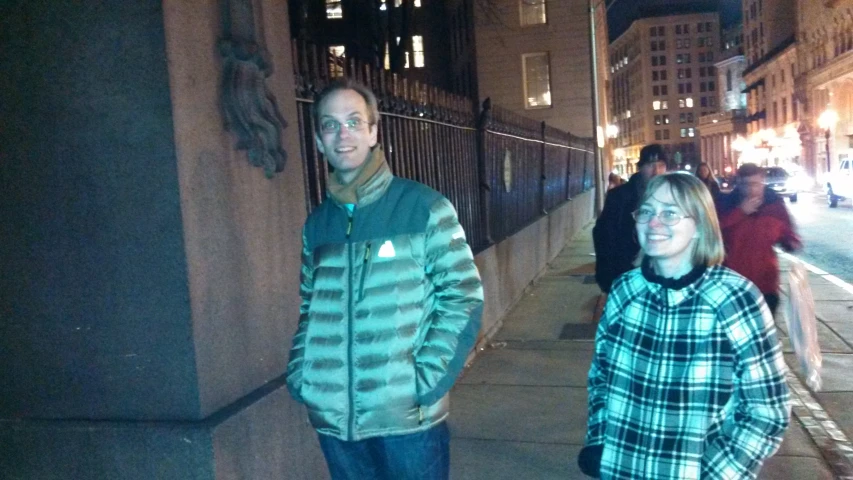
[(781, 182), (839, 184)]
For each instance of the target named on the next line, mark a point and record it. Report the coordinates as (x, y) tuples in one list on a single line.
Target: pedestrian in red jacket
[(753, 219)]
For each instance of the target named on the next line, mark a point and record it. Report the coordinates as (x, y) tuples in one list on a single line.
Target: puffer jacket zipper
[(365, 266), (351, 422)]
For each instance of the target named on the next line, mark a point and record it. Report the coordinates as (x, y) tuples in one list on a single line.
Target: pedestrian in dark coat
[(615, 242), (754, 219)]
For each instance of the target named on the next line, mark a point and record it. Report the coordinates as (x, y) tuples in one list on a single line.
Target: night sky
[(623, 12)]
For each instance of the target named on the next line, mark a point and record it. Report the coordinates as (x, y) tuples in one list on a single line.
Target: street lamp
[(826, 121), (612, 131)]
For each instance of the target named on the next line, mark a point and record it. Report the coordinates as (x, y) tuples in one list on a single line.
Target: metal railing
[(500, 170)]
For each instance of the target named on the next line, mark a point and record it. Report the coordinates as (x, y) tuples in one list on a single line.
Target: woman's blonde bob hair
[(694, 200)]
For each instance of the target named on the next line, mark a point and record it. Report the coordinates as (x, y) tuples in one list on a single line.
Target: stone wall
[(149, 288)]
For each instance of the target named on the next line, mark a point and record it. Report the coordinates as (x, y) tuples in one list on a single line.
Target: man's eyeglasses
[(352, 125), (666, 217)]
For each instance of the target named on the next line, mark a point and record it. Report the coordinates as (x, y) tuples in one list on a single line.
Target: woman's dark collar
[(672, 283)]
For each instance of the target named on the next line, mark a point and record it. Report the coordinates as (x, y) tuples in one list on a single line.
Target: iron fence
[(500, 170)]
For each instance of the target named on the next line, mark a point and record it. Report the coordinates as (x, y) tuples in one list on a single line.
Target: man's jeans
[(417, 456)]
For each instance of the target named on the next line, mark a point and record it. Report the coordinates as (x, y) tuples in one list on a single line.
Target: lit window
[(337, 59), (333, 9), (691, 132), (387, 56), (407, 60), (537, 80), (532, 12), (417, 3), (656, 105), (683, 132), (680, 103), (664, 105), (418, 50), (689, 102)]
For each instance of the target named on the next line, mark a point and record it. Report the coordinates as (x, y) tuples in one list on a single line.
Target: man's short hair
[(694, 199), (749, 170), (651, 153), (345, 83)]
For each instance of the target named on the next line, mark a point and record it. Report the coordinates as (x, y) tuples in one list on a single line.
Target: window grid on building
[(337, 60), (532, 12), (333, 9), (537, 80), (418, 50)]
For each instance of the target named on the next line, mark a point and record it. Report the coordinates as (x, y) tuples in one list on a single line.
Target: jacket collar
[(673, 290), (372, 188)]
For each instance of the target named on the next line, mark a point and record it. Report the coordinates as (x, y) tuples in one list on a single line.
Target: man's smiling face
[(347, 146)]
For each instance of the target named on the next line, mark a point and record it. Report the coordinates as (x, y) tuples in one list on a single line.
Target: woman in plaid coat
[(687, 380)]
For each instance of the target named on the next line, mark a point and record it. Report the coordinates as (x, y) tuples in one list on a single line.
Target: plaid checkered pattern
[(686, 383)]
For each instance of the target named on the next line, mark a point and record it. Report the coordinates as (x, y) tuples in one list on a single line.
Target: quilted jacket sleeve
[(454, 322), (760, 409), (306, 286)]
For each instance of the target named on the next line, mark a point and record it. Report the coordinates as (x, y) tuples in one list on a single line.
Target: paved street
[(827, 233), (520, 409)]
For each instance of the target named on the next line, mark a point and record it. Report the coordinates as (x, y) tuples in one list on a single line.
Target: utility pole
[(597, 129)]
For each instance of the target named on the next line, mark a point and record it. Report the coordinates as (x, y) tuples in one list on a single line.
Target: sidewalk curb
[(835, 447)]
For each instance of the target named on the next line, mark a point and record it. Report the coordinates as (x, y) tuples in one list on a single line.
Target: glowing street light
[(826, 121), (612, 131), (740, 144)]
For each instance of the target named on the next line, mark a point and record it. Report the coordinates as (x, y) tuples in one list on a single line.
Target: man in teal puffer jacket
[(391, 305)]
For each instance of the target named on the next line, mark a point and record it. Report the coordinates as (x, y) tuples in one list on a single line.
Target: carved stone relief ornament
[(249, 108)]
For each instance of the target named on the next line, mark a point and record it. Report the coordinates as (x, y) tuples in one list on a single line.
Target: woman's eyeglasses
[(666, 217)]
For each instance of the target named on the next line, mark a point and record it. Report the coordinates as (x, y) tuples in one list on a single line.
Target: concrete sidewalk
[(520, 411)]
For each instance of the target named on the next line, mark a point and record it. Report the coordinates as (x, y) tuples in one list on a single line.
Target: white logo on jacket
[(387, 250)]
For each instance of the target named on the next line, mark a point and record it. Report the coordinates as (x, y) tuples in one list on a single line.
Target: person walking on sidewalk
[(703, 171), (613, 236), (391, 305), (754, 219), (687, 379)]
